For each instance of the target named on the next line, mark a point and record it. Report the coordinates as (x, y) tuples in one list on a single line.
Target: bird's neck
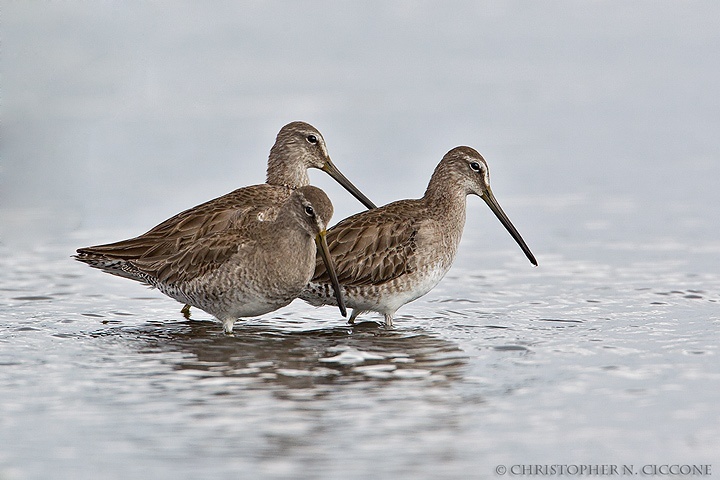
[(287, 237), (446, 193), (446, 201), (287, 227), (284, 172)]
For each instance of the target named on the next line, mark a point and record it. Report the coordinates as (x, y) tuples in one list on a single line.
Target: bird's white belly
[(419, 286), (383, 298)]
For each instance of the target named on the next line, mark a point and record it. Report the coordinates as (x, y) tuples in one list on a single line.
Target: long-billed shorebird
[(395, 254), (245, 270), (298, 147)]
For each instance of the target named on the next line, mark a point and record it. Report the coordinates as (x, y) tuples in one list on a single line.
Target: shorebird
[(392, 255), (298, 147), (245, 270)]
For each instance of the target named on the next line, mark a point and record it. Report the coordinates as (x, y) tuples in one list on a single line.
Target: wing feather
[(372, 247), (195, 260), (175, 234)]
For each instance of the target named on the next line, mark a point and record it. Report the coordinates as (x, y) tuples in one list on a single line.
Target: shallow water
[(568, 363), (599, 123)]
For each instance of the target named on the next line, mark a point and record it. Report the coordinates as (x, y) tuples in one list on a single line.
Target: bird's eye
[(309, 210), (475, 166), (312, 139)]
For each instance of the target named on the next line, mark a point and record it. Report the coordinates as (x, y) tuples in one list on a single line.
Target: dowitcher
[(395, 254), (245, 270), (298, 147)]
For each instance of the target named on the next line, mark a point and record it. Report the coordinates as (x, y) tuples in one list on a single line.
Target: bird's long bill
[(495, 207), (322, 247), (332, 170)]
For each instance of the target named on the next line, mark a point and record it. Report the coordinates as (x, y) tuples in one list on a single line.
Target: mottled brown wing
[(371, 247), (197, 259), (176, 233)]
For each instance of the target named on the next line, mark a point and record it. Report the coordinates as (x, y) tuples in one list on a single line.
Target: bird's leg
[(388, 320), (228, 324), (186, 311), (354, 315)]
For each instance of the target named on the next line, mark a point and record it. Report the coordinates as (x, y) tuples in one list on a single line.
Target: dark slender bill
[(495, 207), (330, 267), (332, 170)]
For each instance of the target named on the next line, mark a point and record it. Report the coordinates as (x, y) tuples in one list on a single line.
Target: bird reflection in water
[(300, 359)]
